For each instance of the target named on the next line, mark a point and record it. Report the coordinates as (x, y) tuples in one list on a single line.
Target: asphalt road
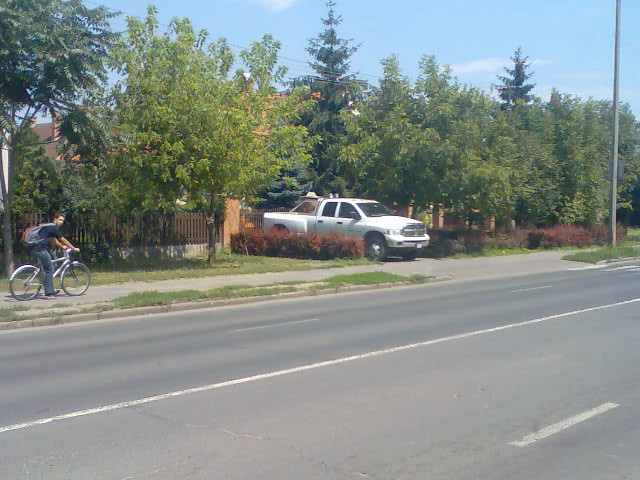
[(525, 377)]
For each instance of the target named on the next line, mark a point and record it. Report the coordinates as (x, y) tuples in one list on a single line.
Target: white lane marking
[(622, 267), (529, 289), (302, 368), (588, 267), (563, 425), (273, 325)]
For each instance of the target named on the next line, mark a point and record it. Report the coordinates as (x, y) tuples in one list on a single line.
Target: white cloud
[(483, 65), (489, 65), (275, 5)]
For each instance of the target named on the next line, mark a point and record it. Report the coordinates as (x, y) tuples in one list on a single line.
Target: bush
[(571, 236), (445, 243), (98, 252), (285, 244)]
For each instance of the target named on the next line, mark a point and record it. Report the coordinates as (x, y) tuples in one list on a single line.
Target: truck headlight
[(397, 231)]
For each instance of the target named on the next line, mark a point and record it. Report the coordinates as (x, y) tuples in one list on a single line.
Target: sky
[(569, 43)]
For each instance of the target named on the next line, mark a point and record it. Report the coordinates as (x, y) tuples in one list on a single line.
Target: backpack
[(31, 235)]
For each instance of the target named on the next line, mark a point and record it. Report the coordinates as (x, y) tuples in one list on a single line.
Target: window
[(375, 209), (348, 211), (329, 209), (305, 208)]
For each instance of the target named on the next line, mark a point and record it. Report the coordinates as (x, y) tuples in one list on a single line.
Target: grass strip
[(155, 298), (372, 278), (150, 270), (10, 313), (151, 298), (603, 254)]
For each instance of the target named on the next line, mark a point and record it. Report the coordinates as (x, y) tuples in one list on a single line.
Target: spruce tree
[(513, 88), (333, 90)]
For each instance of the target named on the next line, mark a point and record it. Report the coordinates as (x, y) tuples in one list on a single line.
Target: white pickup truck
[(384, 233)]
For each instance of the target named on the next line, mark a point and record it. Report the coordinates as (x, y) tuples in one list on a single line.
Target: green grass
[(142, 299), (154, 298), (628, 248), (603, 254), (9, 313), (145, 299), (155, 269), (372, 278), (149, 270)]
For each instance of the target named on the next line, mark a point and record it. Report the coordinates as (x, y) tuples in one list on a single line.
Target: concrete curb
[(62, 319)]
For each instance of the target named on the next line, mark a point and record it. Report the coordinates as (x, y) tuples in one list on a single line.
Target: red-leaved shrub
[(571, 236), (451, 242), (277, 243)]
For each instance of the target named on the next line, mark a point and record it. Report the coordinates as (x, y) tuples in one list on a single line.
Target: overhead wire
[(309, 72)]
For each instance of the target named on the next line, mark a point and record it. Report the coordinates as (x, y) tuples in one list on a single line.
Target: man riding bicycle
[(50, 235)]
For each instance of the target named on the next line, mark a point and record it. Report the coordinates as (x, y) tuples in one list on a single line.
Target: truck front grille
[(414, 230)]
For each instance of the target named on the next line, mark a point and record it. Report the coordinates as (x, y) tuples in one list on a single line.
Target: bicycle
[(25, 283)]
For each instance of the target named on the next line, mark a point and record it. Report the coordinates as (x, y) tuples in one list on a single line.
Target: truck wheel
[(375, 248)]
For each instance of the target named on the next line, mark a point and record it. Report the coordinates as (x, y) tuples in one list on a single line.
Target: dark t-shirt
[(46, 234)]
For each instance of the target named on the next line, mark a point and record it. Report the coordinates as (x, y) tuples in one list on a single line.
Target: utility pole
[(613, 169)]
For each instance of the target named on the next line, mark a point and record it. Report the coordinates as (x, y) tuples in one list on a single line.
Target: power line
[(308, 73)]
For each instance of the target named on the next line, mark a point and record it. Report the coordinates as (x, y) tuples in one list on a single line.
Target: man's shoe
[(52, 294)]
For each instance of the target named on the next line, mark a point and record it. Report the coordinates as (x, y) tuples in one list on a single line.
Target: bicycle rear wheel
[(25, 283), (75, 279)]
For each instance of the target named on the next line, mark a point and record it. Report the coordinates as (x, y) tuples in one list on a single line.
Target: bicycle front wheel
[(75, 279), (25, 283)]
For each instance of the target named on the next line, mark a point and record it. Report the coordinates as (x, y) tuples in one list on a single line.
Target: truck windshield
[(374, 209)]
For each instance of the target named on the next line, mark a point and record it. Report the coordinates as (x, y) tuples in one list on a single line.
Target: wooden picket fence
[(146, 230), (120, 232)]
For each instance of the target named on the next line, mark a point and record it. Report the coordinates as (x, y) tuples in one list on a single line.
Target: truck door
[(348, 218), (326, 221)]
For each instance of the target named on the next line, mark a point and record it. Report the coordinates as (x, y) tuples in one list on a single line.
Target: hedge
[(275, 243)]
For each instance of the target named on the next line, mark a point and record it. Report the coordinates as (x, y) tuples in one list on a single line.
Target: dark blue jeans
[(47, 265)]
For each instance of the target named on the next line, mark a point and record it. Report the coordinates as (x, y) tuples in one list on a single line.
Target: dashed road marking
[(303, 368), (530, 289), (563, 425), (273, 325)]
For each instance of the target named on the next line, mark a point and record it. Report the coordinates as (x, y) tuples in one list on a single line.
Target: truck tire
[(375, 247)]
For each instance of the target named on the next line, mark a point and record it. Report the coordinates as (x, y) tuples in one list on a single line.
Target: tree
[(51, 53), (192, 130), (286, 190), (386, 144), (513, 88), (37, 183), (333, 90), (426, 144)]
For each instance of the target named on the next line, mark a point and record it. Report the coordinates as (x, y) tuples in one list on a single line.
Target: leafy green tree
[(37, 184), (513, 88), (581, 151), (333, 90), (192, 130), (425, 144), (51, 53), (386, 146), (629, 158)]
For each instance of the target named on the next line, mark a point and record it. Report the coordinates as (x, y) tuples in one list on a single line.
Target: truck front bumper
[(397, 241)]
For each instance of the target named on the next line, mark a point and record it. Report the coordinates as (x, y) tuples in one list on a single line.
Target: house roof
[(49, 137)]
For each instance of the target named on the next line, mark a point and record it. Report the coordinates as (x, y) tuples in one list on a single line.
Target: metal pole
[(613, 188)]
